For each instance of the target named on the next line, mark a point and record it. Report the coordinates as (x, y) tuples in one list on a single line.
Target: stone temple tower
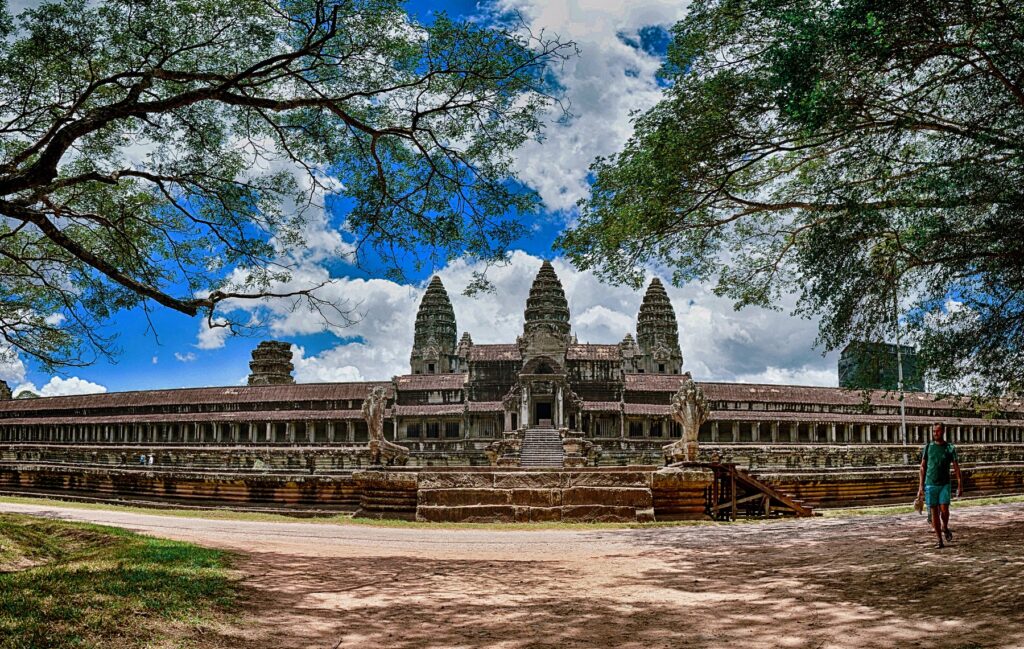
[(657, 334), (434, 346), (271, 364), (546, 331)]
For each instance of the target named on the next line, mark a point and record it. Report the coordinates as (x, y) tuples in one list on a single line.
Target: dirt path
[(871, 581)]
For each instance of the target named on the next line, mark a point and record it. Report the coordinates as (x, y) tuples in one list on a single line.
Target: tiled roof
[(430, 381), (762, 393), (202, 417), (486, 406), (192, 396), (837, 417), (495, 353), (593, 353), (654, 382), (429, 409), (647, 409), (602, 406)]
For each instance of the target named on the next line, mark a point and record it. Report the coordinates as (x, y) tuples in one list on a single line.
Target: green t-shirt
[(940, 457)]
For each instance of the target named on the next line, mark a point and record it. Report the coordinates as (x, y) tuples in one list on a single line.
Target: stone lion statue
[(381, 450), (690, 409)]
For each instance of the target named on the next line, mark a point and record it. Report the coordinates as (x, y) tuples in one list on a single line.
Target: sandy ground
[(870, 581)]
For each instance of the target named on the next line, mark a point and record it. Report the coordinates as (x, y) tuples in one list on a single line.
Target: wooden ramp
[(735, 493)]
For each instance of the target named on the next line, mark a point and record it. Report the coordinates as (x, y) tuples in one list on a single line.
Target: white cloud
[(791, 376), (211, 337), (610, 78), (12, 369), (185, 358), (155, 360), (753, 345), (58, 387)]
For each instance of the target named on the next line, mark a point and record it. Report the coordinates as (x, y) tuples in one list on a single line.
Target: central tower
[(542, 386)]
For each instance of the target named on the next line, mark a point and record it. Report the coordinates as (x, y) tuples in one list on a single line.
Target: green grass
[(77, 585)]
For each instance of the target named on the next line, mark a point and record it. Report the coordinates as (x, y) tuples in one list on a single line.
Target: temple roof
[(192, 396), (495, 353), (589, 352), (429, 409), (770, 393), (453, 381)]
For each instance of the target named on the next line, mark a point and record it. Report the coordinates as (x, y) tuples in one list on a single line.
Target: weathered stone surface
[(464, 497), (432, 480), (530, 480), (478, 514), (615, 496), (596, 513), (671, 478), (640, 479), (536, 497)]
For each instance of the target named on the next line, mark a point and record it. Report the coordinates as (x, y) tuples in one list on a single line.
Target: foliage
[(75, 585), (858, 154), (166, 152)]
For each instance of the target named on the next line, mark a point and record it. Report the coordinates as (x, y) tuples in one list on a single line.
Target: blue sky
[(620, 49)]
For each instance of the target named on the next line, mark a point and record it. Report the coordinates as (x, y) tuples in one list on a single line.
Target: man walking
[(934, 485)]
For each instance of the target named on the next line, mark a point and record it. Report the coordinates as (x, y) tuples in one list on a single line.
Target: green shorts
[(935, 495)]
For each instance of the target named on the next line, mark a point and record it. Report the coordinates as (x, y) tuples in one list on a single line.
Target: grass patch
[(78, 585)]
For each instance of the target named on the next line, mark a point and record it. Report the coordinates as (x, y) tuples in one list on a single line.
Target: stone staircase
[(541, 447)]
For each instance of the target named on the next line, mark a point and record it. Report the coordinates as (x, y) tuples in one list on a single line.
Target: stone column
[(755, 431), (735, 432), (775, 432), (832, 433), (330, 431), (714, 432), (350, 432)]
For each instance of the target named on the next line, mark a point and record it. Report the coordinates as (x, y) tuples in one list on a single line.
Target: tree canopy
[(858, 154), (163, 152)]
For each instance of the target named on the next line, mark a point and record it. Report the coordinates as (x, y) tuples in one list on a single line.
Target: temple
[(459, 399)]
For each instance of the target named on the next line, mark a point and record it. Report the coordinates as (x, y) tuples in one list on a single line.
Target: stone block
[(529, 480), (544, 514), (675, 478), (536, 497), (429, 480), (598, 513), (614, 496), (464, 497), (609, 479), (476, 514)]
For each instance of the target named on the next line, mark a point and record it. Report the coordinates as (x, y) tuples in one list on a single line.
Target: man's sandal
[(948, 534)]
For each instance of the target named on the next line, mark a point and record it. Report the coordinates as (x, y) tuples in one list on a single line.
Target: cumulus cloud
[(58, 387), (614, 75), (211, 337), (753, 345), (186, 357), (12, 369)]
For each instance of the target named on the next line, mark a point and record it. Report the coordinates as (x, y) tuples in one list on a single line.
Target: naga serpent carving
[(690, 409), (381, 450)]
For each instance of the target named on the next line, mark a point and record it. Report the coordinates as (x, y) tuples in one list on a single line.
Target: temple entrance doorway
[(542, 413)]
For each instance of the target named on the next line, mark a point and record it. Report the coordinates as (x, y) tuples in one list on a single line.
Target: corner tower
[(434, 340), (657, 334)]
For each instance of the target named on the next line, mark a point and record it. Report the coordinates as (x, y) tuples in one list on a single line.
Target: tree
[(858, 154), (149, 148)]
